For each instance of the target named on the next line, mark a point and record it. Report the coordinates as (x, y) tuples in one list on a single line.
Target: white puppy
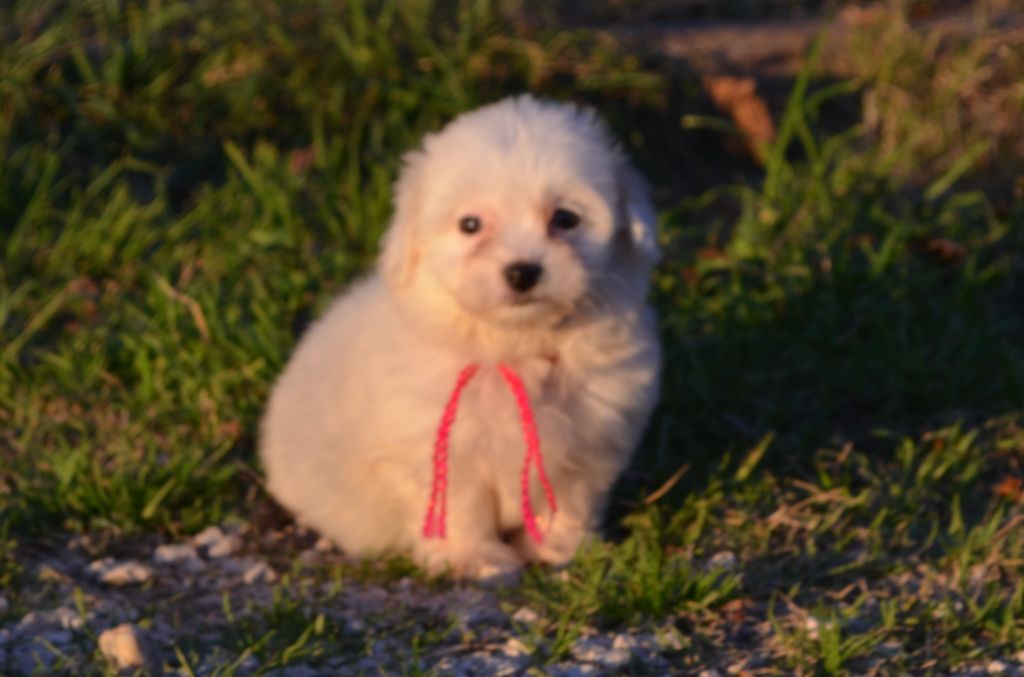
[(521, 240)]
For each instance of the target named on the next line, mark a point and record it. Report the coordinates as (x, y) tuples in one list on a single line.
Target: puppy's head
[(525, 212)]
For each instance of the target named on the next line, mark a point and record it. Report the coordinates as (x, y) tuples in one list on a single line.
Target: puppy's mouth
[(524, 300), (531, 310)]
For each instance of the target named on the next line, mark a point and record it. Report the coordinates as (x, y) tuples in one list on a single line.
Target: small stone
[(4, 605), (35, 622), (323, 545), (624, 642), (709, 673), (124, 646), (525, 615), (97, 567), (354, 626), (481, 663), (594, 650), (172, 553), (723, 561), (46, 572), (889, 648), (121, 573), (811, 626), (570, 670), (81, 542), (179, 554), (229, 545), (260, 572), (995, 667), (215, 543), (514, 648), (208, 537)]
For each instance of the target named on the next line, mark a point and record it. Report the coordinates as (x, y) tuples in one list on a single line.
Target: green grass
[(184, 185)]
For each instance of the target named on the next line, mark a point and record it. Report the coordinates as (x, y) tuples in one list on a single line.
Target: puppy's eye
[(470, 224), (563, 219)]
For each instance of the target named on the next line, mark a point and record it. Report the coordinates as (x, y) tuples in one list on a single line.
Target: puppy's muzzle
[(522, 276)]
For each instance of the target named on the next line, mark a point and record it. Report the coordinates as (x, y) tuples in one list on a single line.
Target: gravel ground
[(140, 609), (193, 607)]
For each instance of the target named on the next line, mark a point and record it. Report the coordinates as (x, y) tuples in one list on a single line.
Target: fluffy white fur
[(347, 440)]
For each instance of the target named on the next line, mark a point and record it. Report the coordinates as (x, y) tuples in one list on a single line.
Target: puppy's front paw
[(491, 562), (557, 549)]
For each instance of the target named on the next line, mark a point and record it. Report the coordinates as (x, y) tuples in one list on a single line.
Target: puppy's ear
[(400, 250), (638, 211)]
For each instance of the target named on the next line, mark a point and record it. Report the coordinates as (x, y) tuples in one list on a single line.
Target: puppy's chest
[(492, 418)]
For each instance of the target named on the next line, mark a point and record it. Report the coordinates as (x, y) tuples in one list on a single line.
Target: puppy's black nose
[(522, 275)]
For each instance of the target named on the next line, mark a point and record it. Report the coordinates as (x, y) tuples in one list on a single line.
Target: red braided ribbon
[(437, 508), (434, 524)]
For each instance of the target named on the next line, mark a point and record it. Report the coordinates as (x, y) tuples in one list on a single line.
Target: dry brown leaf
[(738, 97), (736, 610), (301, 159), (1010, 488), (946, 251), (711, 254)]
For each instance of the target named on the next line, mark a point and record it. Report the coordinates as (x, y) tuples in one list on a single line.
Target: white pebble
[(724, 561), (995, 667), (354, 625), (260, 572), (61, 617), (525, 615), (97, 567), (123, 646), (514, 647), (228, 545), (624, 642), (179, 554), (597, 651), (120, 573), (208, 536), (215, 543), (172, 553), (46, 572)]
